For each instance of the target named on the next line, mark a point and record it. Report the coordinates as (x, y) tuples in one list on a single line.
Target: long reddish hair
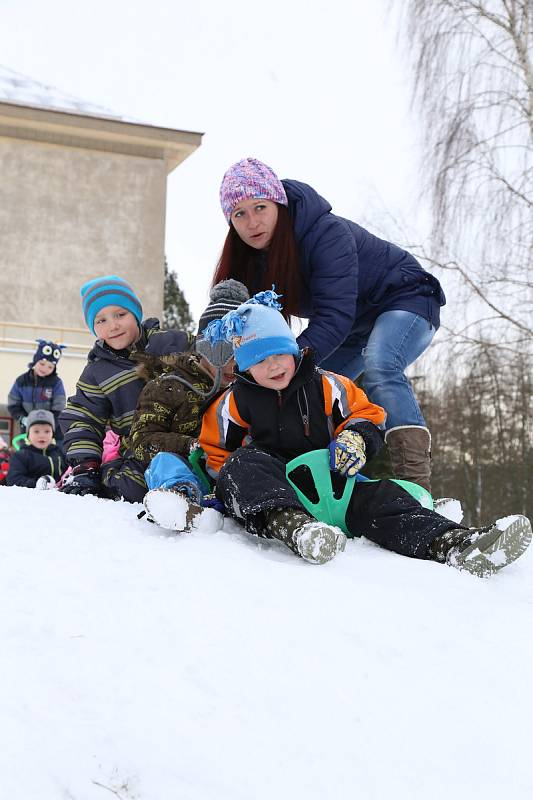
[(240, 261)]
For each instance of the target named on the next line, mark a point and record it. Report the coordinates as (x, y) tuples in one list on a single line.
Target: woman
[(371, 307)]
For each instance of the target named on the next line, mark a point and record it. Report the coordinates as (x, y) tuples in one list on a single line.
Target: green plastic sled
[(17, 441), (329, 508), (194, 461)]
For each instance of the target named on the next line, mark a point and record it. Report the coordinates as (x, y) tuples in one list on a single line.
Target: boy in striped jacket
[(108, 390)]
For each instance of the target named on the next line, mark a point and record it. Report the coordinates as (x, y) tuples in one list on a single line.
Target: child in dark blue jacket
[(39, 461), (39, 387)]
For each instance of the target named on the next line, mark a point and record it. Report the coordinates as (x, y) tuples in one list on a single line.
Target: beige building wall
[(81, 196), (71, 214)]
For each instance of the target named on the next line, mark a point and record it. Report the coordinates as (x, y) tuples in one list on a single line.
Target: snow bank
[(209, 666)]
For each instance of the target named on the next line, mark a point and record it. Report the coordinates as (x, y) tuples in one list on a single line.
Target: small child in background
[(39, 387), (108, 390), (39, 462), (282, 406)]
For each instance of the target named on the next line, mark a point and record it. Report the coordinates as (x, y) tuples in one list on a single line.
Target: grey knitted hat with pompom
[(225, 296)]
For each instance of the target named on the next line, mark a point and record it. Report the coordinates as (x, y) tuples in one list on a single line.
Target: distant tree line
[(176, 312), (481, 421), (473, 86)]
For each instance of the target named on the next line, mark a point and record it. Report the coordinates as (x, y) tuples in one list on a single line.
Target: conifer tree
[(176, 311)]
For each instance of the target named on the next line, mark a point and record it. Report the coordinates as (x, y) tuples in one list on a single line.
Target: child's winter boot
[(314, 541), (483, 551), (174, 511)]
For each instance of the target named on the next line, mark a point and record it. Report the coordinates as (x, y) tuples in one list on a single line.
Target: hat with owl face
[(50, 351)]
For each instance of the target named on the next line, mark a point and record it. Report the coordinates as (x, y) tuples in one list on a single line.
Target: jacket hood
[(153, 366), (305, 206)]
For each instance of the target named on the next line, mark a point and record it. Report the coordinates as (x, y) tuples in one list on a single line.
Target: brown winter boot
[(483, 551), (410, 454), (314, 541)]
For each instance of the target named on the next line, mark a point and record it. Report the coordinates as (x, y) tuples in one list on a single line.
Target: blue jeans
[(395, 341)]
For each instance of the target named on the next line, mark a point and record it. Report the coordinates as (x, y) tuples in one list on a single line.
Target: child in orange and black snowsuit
[(282, 406)]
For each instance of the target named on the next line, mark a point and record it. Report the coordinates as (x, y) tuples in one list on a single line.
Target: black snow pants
[(251, 483)]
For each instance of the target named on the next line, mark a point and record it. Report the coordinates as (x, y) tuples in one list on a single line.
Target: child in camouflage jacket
[(179, 386)]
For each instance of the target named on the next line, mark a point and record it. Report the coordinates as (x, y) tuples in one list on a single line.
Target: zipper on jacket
[(305, 416), (51, 460)]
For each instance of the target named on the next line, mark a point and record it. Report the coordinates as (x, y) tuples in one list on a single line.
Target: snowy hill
[(141, 664)]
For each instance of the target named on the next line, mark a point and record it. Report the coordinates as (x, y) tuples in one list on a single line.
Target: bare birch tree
[(474, 87)]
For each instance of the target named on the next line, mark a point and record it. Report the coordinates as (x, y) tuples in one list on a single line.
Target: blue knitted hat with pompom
[(256, 329)]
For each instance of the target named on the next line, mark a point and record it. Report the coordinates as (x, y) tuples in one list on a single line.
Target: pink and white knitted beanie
[(247, 179)]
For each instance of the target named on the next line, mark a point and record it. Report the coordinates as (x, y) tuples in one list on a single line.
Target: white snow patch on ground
[(449, 508), (497, 558), (209, 521), (504, 522), (211, 666), (170, 510)]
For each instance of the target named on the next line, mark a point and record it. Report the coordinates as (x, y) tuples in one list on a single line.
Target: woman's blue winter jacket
[(349, 276)]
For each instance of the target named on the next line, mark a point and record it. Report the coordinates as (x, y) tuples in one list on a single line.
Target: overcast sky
[(320, 91)]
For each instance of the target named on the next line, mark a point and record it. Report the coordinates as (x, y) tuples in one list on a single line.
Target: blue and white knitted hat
[(109, 290), (256, 329)]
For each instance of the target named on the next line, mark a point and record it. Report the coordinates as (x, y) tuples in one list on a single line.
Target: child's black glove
[(85, 479)]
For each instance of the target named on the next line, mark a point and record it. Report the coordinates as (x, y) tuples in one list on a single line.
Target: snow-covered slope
[(140, 664)]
